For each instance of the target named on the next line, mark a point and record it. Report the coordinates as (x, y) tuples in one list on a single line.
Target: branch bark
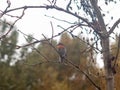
[(52, 7), (114, 26)]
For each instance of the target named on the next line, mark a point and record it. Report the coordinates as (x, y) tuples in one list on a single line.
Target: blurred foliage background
[(23, 70)]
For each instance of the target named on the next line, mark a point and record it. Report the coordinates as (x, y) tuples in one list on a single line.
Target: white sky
[(34, 22)]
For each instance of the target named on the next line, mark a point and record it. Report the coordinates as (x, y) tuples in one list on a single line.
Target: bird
[(62, 52)]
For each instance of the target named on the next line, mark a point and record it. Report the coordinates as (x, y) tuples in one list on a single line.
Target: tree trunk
[(105, 47), (107, 64)]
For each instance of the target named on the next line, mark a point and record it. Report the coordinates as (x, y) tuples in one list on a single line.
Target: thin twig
[(68, 5), (11, 26), (50, 43), (37, 50), (8, 6), (118, 48), (87, 76), (52, 31), (42, 62), (9, 14), (59, 19), (38, 41)]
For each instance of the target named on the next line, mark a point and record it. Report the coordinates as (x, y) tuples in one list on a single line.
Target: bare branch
[(59, 19), (49, 2), (26, 7), (96, 49), (114, 26), (42, 62), (50, 43), (52, 31), (38, 41), (52, 7), (59, 9), (37, 50), (68, 6), (54, 2), (13, 16), (26, 34), (11, 26), (78, 68), (9, 4)]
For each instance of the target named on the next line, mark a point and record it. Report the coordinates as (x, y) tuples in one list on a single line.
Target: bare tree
[(93, 22)]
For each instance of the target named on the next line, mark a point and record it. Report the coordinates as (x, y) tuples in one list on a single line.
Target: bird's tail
[(61, 59)]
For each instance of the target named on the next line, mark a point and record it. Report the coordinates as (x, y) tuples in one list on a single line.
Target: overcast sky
[(35, 22)]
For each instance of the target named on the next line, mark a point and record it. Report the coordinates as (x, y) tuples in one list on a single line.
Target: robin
[(62, 52)]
